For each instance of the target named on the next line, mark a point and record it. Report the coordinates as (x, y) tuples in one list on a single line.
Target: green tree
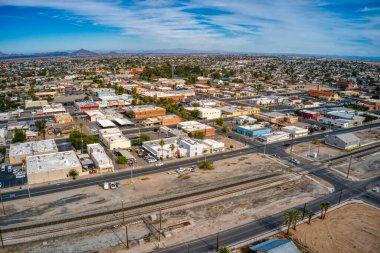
[(50, 99), (219, 121), (172, 147), (310, 215), (224, 250), (19, 136), (121, 160), (144, 137), (78, 138), (73, 173), (162, 144), (41, 127), (324, 207), (225, 129), (86, 97), (195, 113), (206, 165), (199, 135)]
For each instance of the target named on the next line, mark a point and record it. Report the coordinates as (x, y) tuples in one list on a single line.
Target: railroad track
[(155, 206)]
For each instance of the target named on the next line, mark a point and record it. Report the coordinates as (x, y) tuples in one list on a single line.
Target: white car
[(106, 186), (159, 164), (113, 185)]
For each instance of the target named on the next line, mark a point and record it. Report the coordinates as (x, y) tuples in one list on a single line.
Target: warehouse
[(19, 151), (273, 137), (206, 112), (51, 167), (343, 141), (105, 123), (193, 127)]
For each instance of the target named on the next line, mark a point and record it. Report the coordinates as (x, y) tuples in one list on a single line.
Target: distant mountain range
[(85, 53)]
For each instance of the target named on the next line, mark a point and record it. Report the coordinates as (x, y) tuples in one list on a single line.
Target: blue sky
[(259, 26)]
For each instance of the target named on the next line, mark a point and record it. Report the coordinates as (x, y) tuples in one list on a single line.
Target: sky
[(323, 27)]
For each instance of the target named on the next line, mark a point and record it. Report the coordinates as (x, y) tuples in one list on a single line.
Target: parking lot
[(11, 176)]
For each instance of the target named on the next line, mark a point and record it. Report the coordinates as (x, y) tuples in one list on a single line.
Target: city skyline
[(342, 28)]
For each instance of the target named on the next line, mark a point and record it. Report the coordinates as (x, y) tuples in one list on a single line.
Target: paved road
[(252, 147)]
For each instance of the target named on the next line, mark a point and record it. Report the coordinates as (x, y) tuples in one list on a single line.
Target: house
[(343, 141), (275, 246)]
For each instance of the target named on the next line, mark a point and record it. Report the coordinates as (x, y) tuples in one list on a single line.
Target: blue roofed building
[(253, 130), (275, 246)]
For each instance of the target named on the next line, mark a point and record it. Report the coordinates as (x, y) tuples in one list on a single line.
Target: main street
[(252, 147)]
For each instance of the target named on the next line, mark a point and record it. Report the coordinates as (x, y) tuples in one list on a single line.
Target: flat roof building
[(19, 151), (113, 138), (101, 160), (51, 167), (146, 111), (105, 123), (295, 131), (193, 127)]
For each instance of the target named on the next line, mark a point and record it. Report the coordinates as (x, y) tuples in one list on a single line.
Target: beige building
[(101, 160), (19, 151), (113, 138), (51, 167), (63, 118), (35, 103)]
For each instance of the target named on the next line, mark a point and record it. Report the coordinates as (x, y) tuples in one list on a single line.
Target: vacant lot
[(304, 149), (361, 167), (352, 228)]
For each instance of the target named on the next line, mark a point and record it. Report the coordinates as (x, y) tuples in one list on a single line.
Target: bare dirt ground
[(304, 149), (205, 218), (351, 228), (369, 135), (361, 167), (143, 188)]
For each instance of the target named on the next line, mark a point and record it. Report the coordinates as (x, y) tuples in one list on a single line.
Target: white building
[(94, 115), (101, 160), (244, 120), (51, 167), (295, 131), (19, 151), (262, 101), (213, 145), (274, 136), (105, 123), (192, 147), (3, 135), (51, 109), (206, 112), (113, 138)]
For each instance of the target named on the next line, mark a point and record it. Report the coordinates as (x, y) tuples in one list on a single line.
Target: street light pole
[(30, 198), (349, 166), (122, 209)]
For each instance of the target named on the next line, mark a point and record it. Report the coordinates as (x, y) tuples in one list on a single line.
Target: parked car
[(159, 164), (106, 186), (3, 168), (286, 144), (295, 161), (113, 185), (10, 168), (118, 184)]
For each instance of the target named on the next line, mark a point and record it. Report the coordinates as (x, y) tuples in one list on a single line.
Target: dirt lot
[(205, 218), (361, 167), (325, 151), (352, 228), (146, 187), (368, 136)]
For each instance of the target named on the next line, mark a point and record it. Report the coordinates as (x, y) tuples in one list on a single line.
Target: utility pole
[(188, 248), (2, 203), (122, 209), (291, 146), (217, 242), (1, 238), (304, 211), (349, 166), (340, 195), (265, 148), (30, 198), (126, 233), (159, 232)]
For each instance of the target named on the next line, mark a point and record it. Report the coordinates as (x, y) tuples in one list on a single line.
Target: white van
[(106, 186)]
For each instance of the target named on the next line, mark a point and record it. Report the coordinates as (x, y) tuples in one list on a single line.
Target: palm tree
[(296, 214), (172, 147), (162, 143), (309, 214), (324, 207), (41, 126), (288, 220)]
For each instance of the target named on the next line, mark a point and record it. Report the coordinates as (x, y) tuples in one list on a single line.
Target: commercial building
[(340, 118), (295, 131), (262, 101), (113, 138), (51, 109), (370, 104), (175, 95), (275, 246), (105, 123), (206, 112), (146, 111), (274, 136), (35, 103), (193, 127), (343, 141), (276, 117), (253, 130), (233, 111), (63, 118), (244, 120), (51, 167), (86, 105), (162, 120), (19, 151), (3, 135), (212, 146), (123, 122), (94, 115), (327, 95), (101, 160), (309, 114)]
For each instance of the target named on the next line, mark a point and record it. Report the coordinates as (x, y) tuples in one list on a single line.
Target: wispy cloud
[(256, 26)]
